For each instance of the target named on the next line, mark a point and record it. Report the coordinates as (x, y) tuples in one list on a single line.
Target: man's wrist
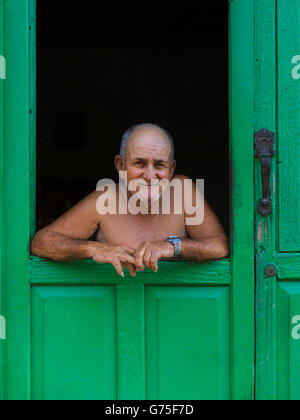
[(171, 248), (175, 241), (184, 244), (90, 249)]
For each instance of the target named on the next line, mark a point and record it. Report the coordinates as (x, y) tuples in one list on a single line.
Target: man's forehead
[(145, 140)]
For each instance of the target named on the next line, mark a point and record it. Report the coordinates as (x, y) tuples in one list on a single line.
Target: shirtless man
[(134, 241)]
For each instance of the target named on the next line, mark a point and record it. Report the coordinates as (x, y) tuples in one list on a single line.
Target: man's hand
[(149, 253), (116, 255)]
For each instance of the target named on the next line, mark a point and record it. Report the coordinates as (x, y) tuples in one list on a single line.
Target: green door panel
[(289, 124), (288, 340), (187, 343), (73, 343), (76, 330), (278, 235)]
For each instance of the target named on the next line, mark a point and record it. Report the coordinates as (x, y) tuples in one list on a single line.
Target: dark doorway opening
[(100, 71)]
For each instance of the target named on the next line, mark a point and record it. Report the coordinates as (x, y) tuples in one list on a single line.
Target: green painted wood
[(2, 87), (74, 343), (288, 125), (184, 359), (15, 195), (241, 88), (209, 306), (283, 329), (33, 100), (277, 237), (240, 297), (131, 341), (265, 227), (288, 361), (88, 272), (288, 267)]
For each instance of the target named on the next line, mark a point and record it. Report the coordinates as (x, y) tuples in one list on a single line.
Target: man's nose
[(149, 173)]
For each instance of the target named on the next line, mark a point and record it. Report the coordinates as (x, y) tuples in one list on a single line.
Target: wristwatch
[(176, 242)]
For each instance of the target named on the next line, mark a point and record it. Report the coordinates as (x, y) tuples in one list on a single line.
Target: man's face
[(148, 158)]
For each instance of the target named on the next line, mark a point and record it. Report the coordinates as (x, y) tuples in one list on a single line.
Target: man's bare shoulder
[(91, 201), (182, 179), (81, 221)]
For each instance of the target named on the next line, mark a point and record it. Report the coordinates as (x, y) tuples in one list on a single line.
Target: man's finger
[(153, 261), (139, 256), (129, 250), (132, 269), (126, 257), (147, 256), (117, 264)]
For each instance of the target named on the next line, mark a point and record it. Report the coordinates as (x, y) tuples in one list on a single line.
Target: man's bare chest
[(131, 230)]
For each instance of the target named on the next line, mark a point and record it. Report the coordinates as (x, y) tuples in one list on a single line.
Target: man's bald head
[(128, 135)]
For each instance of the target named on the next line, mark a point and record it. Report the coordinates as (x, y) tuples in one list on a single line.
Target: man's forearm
[(59, 247), (207, 248)]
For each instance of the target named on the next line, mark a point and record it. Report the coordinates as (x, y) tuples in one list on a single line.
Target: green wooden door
[(278, 235), (78, 331)]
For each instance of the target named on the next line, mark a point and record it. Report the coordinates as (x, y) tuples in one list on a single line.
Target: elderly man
[(135, 241)]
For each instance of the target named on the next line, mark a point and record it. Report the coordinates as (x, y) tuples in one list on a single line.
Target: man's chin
[(149, 199), (149, 196), (148, 202), (155, 199)]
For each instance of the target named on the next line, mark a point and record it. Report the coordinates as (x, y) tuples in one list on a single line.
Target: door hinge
[(264, 150)]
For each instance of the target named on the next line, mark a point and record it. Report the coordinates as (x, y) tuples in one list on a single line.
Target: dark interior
[(101, 69)]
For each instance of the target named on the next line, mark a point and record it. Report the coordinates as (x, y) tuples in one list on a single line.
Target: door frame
[(241, 117), (15, 191), (265, 227), (17, 184)]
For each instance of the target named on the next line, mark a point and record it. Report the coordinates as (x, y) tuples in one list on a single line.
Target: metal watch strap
[(176, 242)]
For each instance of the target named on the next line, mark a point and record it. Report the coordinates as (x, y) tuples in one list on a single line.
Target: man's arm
[(67, 238), (207, 241), (207, 248)]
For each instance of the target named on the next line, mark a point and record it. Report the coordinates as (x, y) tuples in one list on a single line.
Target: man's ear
[(173, 167), (119, 163)]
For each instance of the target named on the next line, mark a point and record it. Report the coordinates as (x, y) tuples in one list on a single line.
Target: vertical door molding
[(15, 195), (131, 341), (33, 105), (265, 227), (241, 84)]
